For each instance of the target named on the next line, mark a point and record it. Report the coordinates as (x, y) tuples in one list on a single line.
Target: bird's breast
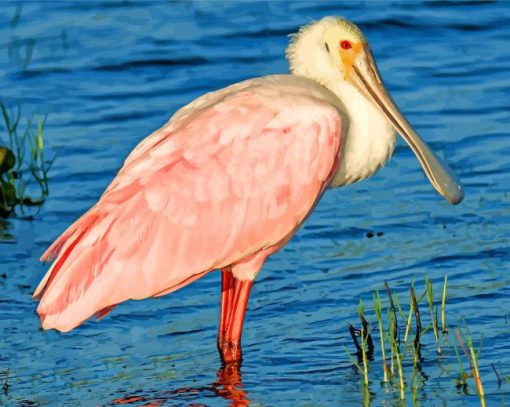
[(369, 142)]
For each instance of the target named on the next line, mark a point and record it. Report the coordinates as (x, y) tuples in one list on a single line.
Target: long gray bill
[(439, 174)]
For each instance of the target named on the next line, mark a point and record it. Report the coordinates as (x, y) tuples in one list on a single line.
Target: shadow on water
[(228, 386)]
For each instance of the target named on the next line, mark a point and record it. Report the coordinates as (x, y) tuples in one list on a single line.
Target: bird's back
[(271, 89), (231, 174)]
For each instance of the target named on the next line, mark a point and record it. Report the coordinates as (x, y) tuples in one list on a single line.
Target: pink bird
[(229, 180)]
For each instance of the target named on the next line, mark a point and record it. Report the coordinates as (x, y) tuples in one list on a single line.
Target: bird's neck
[(370, 139)]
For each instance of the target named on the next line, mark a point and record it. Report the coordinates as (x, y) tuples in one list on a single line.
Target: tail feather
[(62, 248), (84, 222), (53, 251), (76, 286)]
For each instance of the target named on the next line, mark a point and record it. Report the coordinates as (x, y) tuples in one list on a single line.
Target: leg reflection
[(228, 386)]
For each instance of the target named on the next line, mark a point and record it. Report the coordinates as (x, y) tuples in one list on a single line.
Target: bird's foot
[(230, 351)]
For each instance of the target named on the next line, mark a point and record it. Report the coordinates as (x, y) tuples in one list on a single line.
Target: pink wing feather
[(225, 182)]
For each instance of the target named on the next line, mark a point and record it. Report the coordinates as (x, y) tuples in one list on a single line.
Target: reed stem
[(430, 298), (472, 358), (378, 313), (444, 328), (364, 336)]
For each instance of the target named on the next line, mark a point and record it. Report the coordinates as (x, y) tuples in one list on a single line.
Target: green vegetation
[(23, 167), (472, 358), (364, 342), (403, 357), (378, 313), (433, 316)]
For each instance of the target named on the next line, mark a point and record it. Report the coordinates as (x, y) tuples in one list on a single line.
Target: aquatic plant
[(444, 328), (22, 162), (409, 315), (378, 314), (395, 349), (433, 317), (364, 341), (364, 351), (419, 331), (463, 375), (472, 358), (400, 356)]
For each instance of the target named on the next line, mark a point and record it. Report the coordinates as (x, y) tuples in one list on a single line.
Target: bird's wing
[(229, 180)]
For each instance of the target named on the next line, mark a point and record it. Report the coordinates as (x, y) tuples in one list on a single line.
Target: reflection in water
[(229, 386)]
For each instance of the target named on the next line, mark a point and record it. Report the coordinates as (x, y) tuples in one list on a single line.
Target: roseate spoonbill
[(228, 181)]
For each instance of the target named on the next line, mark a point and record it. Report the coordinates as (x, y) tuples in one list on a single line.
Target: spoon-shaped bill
[(440, 175)]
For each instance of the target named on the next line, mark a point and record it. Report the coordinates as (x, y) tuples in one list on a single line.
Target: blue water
[(111, 72)]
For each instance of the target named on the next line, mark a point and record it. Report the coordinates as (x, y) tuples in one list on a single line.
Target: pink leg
[(234, 299), (227, 296)]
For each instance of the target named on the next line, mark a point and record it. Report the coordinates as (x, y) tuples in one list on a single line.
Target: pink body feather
[(226, 182)]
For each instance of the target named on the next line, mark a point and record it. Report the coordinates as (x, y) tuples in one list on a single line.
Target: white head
[(335, 53)]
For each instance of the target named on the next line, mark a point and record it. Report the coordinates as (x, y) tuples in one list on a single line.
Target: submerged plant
[(22, 162)]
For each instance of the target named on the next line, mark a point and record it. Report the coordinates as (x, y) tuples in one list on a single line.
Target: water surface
[(112, 72)]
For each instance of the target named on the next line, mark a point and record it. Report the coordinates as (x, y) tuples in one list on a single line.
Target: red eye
[(345, 44)]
